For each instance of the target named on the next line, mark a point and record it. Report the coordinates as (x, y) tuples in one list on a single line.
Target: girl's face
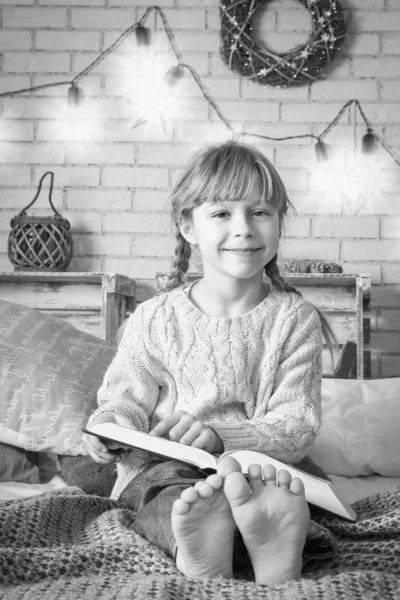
[(235, 238)]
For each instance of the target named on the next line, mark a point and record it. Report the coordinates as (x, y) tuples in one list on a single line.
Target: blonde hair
[(222, 172)]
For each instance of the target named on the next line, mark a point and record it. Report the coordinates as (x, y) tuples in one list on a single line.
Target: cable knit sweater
[(255, 379)]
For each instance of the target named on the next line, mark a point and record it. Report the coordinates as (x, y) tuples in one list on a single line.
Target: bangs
[(232, 174)]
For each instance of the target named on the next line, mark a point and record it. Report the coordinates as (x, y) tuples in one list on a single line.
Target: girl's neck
[(228, 299)]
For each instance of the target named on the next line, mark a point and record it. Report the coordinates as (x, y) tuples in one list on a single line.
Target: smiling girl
[(230, 361)]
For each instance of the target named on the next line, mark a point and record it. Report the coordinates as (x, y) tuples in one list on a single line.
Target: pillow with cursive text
[(49, 376)]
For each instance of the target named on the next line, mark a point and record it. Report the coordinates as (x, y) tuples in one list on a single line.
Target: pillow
[(18, 465), (49, 376), (360, 432)]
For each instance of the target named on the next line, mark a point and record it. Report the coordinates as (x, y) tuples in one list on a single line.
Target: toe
[(284, 479), (206, 491), (189, 495), (236, 489), (255, 477), (297, 487), (228, 465), (180, 507), (269, 474), (215, 481)]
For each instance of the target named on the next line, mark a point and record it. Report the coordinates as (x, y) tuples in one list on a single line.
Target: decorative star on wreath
[(252, 60)]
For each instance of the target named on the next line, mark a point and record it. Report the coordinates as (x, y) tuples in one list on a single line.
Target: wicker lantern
[(37, 243)]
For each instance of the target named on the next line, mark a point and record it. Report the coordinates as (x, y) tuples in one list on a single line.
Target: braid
[(272, 271), (181, 262)]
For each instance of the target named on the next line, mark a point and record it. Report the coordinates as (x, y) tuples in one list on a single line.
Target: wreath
[(298, 66)]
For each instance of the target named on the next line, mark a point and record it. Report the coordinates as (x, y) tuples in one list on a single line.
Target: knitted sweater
[(254, 379)]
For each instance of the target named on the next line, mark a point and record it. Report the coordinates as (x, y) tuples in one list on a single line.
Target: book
[(317, 491)]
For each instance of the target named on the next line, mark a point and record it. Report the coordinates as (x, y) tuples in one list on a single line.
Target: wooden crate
[(93, 302), (343, 298)]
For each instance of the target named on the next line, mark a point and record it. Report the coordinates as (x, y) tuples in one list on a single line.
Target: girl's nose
[(242, 226)]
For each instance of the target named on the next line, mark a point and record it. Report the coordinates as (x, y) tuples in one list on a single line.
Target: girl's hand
[(186, 429), (96, 448)]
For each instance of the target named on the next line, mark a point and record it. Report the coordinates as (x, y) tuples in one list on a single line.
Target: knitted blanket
[(67, 545)]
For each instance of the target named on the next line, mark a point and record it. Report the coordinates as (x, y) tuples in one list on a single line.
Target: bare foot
[(273, 520), (203, 527)]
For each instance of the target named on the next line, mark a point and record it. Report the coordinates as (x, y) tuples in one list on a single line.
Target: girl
[(227, 362)]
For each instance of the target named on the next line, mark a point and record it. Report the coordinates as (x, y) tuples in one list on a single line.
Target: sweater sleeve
[(130, 386), (285, 425)]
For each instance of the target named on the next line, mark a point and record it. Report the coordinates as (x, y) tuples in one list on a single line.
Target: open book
[(318, 491)]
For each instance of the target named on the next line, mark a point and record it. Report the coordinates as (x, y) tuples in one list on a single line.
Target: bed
[(59, 542)]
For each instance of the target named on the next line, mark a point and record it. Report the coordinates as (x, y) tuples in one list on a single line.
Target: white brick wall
[(114, 186)]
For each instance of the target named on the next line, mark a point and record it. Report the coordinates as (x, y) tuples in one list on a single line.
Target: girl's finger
[(166, 424), (186, 432)]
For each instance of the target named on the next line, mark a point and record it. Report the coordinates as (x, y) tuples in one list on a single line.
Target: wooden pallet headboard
[(344, 299)]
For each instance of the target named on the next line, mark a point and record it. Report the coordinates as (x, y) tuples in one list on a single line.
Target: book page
[(157, 445)]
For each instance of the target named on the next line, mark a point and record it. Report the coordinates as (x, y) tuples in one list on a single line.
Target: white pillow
[(360, 431)]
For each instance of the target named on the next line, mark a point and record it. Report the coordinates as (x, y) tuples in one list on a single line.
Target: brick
[(294, 179), (316, 203), (10, 83), (137, 223), (15, 176), (75, 3), (74, 176), (310, 112), (201, 41), (35, 18), (108, 65), (150, 131), (90, 86), (152, 200), (202, 133), (65, 40), (86, 18), (389, 320), (343, 90), (370, 21), (105, 200), (28, 108), (227, 88), (10, 40), (213, 20), (371, 250), (294, 20), (164, 154), (297, 227), (106, 245), (391, 227), (386, 295), (378, 67), (391, 180), (32, 153), (300, 249), (36, 62), (253, 90), (390, 90), (94, 153), (71, 130), (184, 19), (294, 157), (162, 3), (19, 2), (249, 111), (390, 44), (390, 365), (137, 267), (135, 177), (381, 204), (147, 245), (361, 44), (391, 273), (83, 222), (82, 264), (17, 199), (16, 130), (353, 227), (371, 268)]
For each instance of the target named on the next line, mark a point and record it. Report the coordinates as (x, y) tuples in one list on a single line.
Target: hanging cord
[(39, 189)]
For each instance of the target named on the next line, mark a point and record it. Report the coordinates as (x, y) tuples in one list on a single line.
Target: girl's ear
[(186, 229)]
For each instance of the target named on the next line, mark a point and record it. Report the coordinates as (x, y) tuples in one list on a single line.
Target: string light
[(173, 75)]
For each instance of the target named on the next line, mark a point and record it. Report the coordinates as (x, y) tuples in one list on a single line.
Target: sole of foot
[(271, 513), (203, 527)]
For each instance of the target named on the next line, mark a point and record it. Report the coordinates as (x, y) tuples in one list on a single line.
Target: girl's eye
[(221, 215), (260, 213)]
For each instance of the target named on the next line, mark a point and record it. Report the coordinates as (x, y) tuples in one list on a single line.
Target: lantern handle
[(23, 211)]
